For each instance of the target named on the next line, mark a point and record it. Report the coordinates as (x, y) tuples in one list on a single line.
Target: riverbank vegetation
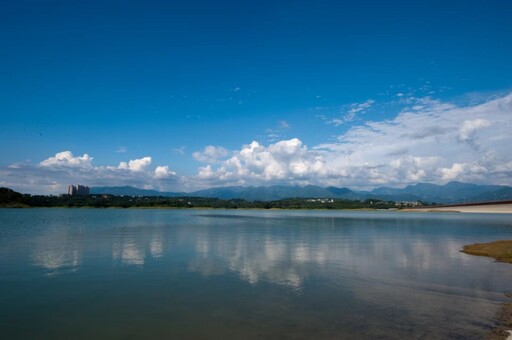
[(10, 198)]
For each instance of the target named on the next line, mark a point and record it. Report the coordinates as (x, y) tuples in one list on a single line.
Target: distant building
[(78, 190), (321, 200), (409, 204)]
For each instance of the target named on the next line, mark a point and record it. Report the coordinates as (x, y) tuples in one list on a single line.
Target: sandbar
[(502, 252), (484, 208)]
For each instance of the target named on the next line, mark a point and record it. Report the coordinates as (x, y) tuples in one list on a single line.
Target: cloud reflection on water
[(62, 249), (263, 252), (405, 273), (288, 257), (56, 250), (128, 252)]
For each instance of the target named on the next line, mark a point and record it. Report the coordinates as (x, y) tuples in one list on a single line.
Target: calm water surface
[(213, 274)]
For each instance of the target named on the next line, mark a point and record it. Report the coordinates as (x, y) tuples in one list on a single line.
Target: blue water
[(215, 274)]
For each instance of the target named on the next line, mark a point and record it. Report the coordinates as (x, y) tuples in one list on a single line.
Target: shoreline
[(473, 209), (194, 208), (501, 251)]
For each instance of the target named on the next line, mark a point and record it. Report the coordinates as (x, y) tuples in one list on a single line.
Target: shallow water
[(115, 274)]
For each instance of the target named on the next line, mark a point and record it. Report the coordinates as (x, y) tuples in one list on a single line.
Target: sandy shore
[(501, 251), (487, 208)]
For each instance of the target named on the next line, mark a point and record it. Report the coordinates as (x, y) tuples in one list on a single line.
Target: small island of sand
[(489, 208), (502, 252)]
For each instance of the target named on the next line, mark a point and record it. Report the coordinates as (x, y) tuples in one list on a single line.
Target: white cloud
[(283, 124), (205, 172), (461, 171), (136, 164), (284, 160), (210, 154), (469, 128), (351, 113), (358, 107), (274, 134), (180, 150), (53, 175), (162, 172), (66, 159), (432, 141)]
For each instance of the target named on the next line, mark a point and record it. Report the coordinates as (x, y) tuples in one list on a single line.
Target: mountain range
[(452, 192)]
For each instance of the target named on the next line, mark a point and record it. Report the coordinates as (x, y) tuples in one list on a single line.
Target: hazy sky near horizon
[(185, 95)]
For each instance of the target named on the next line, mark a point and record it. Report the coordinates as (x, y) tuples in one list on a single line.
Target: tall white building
[(78, 190)]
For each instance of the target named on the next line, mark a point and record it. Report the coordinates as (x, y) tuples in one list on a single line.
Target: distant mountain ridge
[(452, 192), (132, 191)]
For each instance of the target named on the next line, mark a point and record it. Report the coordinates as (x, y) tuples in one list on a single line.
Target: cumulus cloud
[(52, 175), (210, 154), (136, 164), (162, 172), (462, 171), (284, 160), (66, 159), (431, 141)]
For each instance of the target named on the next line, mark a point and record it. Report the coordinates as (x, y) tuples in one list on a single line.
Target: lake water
[(214, 274)]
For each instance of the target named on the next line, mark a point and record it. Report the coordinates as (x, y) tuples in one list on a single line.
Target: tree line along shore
[(13, 199)]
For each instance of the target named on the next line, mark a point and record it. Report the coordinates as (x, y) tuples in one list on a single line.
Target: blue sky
[(188, 86)]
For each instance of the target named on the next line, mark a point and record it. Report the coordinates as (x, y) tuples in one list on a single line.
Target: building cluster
[(78, 190), (409, 204), (321, 200)]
